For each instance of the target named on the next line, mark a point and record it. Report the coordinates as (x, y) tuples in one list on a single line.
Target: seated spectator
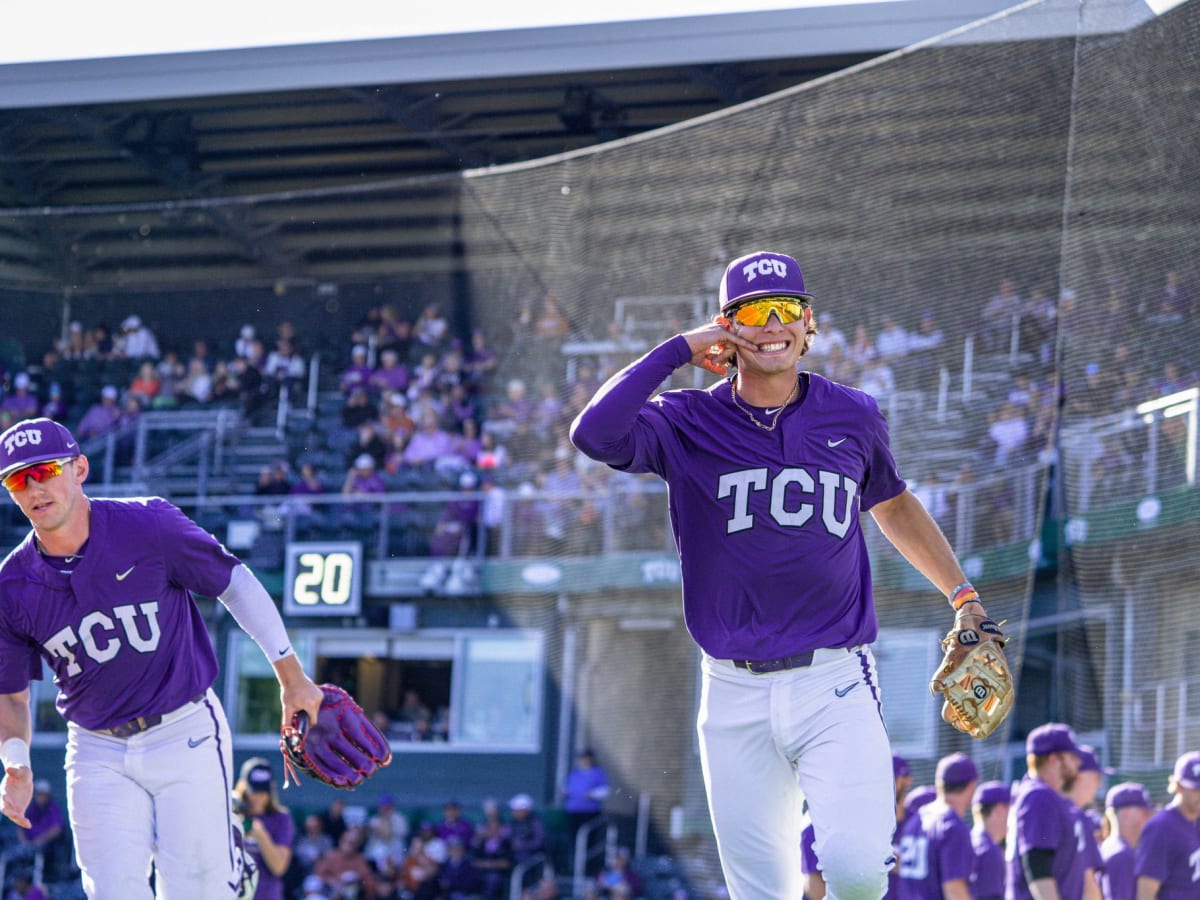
[(515, 407), (492, 454), (428, 443), (454, 824), (861, 350), (491, 851), (75, 345), (549, 409), (392, 331), (424, 376), (47, 829), (467, 444), (392, 374), (394, 416), (273, 480), (171, 373), (55, 406), (454, 533), (368, 442), (145, 385), (551, 323), (101, 417), (136, 340), (363, 479), (243, 347), (197, 383), (412, 707), (100, 343), (892, 341), (527, 834), (457, 876), (431, 328), (1008, 432), (312, 844), (387, 834), (480, 362), (617, 879), (877, 379), (284, 366), (345, 857), (314, 888), (359, 409), (333, 819), (21, 403), (418, 874), (358, 373)]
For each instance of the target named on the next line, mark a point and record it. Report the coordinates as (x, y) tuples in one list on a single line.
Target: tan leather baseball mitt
[(974, 677)]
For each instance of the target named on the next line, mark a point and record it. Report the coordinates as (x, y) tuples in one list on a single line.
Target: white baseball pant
[(162, 796), (767, 743)]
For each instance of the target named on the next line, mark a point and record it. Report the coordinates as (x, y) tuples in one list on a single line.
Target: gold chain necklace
[(778, 412)]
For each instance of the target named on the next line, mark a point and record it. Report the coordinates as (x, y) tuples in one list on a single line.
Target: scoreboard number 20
[(323, 579)]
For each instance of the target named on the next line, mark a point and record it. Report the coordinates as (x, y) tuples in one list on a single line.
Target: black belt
[(141, 723), (763, 666)]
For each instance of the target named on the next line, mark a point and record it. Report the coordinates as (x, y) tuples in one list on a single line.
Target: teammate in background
[(1082, 793), (810, 867), (902, 778), (768, 474), (1167, 858), (989, 807), (1128, 808), (936, 856), (99, 591), (1043, 846), (268, 824)]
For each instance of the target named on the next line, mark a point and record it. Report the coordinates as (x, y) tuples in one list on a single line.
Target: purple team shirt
[(935, 847), (282, 829), (1169, 852), (788, 501), (987, 881), (808, 856), (1117, 881), (1042, 818), (120, 629)]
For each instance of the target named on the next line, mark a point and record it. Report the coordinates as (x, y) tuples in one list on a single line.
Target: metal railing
[(587, 850), (1158, 712), (538, 863)]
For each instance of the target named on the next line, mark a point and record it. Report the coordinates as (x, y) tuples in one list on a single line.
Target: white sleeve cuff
[(254, 610)]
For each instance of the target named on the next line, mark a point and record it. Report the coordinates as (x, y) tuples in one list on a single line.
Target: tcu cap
[(1187, 771), (34, 441), (761, 274)]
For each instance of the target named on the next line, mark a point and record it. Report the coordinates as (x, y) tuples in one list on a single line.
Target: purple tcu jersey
[(1117, 881), (120, 629), (987, 879), (935, 847), (767, 523), (808, 856), (1043, 819), (1169, 852)]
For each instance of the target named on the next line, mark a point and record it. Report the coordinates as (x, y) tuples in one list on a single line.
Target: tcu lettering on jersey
[(764, 267), (837, 492), (21, 438), (98, 634)]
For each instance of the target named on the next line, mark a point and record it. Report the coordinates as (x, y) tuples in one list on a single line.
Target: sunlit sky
[(85, 29)]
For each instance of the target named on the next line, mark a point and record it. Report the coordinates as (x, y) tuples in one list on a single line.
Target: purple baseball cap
[(992, 792), (956, 770), (1128, 793), (921, 795), (761, 274), (1054, 737), (900, 766), (1187, 771), (34, 441)]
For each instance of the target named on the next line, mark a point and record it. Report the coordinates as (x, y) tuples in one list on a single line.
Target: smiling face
[(778, 346)]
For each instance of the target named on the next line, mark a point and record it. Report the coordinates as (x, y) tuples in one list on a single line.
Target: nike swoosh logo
[(121, 576), (196, 742), (842, 692), (70, 445), (771, 412), (832, 443), (283, 652)]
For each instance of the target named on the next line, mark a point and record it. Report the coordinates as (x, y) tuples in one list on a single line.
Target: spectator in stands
[(196, 386), (584, 791), (429, 442), (454, 824), (995, 330), (892, 342), (457, 876), (137, 341), (491, 852), (312, 844), (47, 829), (171, 373), (269, 826), (391, 331), (862, 349), (515, 407), (551, 323), (367, 441), (145, 384), (313, 888), (424, 376), (549, 409), (395, 418), (74, 346), (273, 480), (877, 379), (527, 834), (359, 409), (284, 366), (617, 878), (387, 834), (100, 342), (392, 374), (1039, 325), (101, 417), (454, 533), (248, 381), (21, 402), (480, 363), (55, 406), (363, 479), (1008, 432), (418, 874), (333, 819), (347, 857), (358, 373), (243, 347), (431, 328), (1174, 302)]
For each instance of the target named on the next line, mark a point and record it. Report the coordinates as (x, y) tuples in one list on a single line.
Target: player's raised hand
[(714, 344), (17, 791), (297, 692)]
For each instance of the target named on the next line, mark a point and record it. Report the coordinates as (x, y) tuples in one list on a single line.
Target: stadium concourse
[(998, 227)]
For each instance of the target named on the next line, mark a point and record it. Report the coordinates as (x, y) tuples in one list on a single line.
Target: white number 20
[(325, 578)]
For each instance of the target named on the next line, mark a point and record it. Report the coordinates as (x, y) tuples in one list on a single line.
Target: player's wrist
[(15, 753), (963, 595)]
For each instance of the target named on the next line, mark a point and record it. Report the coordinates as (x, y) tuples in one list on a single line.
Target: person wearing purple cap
[(902, 778), (769, 472), (989, 808), (101, 592), (1044, 857), (1167, 858), (1082, 791), (936, 858), (1127, 807)]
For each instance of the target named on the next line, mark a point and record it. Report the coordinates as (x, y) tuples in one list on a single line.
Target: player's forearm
[(1147, 888), (956, 890), (1044, 889), (603, 430), (905, 522), (15, 720)]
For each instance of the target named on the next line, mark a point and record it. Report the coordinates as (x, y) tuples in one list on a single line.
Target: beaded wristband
[(962, 595)]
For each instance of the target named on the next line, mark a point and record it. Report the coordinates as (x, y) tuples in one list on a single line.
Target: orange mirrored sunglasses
[(756, 312), (39, 472)]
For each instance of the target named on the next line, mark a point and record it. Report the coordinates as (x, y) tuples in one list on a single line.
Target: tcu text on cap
[(21, 438), (758, 267)]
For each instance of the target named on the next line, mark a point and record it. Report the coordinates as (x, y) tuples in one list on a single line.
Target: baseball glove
[(974, 677), (342, 748)]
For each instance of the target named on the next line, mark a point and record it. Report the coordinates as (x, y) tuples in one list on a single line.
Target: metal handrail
[(516, 883), (584, 853)]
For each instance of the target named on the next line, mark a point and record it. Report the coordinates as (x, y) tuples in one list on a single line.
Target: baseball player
[(1081, 791), (936, 856), (1167, 857), (1045, 840), (989, 808), (99, 592), (1128, 808), (768, 474)]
